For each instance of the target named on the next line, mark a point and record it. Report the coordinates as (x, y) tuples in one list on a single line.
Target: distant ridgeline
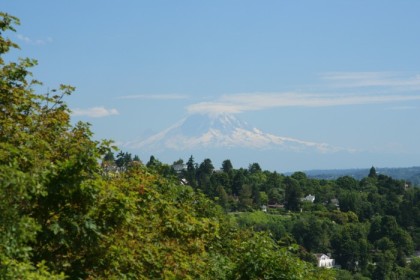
[(410, 174)]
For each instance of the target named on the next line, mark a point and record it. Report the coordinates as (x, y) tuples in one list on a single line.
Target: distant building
[(335, 202), (276, 206), (325, 261), (310, 198), (264, 208)]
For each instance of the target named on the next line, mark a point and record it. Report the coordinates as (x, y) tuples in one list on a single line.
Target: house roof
[(320, 255)]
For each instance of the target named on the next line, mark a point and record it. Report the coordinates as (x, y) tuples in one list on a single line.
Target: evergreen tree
[(191, 172), (254, 168), (293, 194), (372, 173), (227, 166), (109, 157), (152, 162), (206, 167)]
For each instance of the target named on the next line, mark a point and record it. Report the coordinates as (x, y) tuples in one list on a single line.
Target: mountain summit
[(199, 131)]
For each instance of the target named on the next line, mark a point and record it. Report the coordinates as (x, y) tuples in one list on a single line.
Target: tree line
[(370, 226)]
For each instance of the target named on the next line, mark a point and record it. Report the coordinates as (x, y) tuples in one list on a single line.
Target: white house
[(310, 198), (325, 261), (335, 202), (264, 208)]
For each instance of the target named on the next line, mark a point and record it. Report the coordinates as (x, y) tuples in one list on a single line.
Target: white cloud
[(94, 112), (373, 79), (367, 87), (238, 103), (36, 42), (402, 108), (155, 96), (216, 108)]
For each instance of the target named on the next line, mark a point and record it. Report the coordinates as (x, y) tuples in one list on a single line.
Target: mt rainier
[(198, 131)]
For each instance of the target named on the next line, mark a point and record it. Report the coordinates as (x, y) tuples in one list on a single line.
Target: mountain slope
[(221, 131)]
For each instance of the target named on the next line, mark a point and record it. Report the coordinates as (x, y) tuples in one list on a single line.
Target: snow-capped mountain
[(199, 131)]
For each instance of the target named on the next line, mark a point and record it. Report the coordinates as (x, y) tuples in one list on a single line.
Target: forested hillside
[(371, 227)]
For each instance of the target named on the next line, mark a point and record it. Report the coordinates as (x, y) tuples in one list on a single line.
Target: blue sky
[(344, 73)]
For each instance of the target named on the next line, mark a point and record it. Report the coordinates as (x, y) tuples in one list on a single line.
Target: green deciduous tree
[(48, 175), (260, 258)]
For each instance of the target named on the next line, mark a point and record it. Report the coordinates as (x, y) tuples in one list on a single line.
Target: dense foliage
[(370, 226), (64, 215)]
